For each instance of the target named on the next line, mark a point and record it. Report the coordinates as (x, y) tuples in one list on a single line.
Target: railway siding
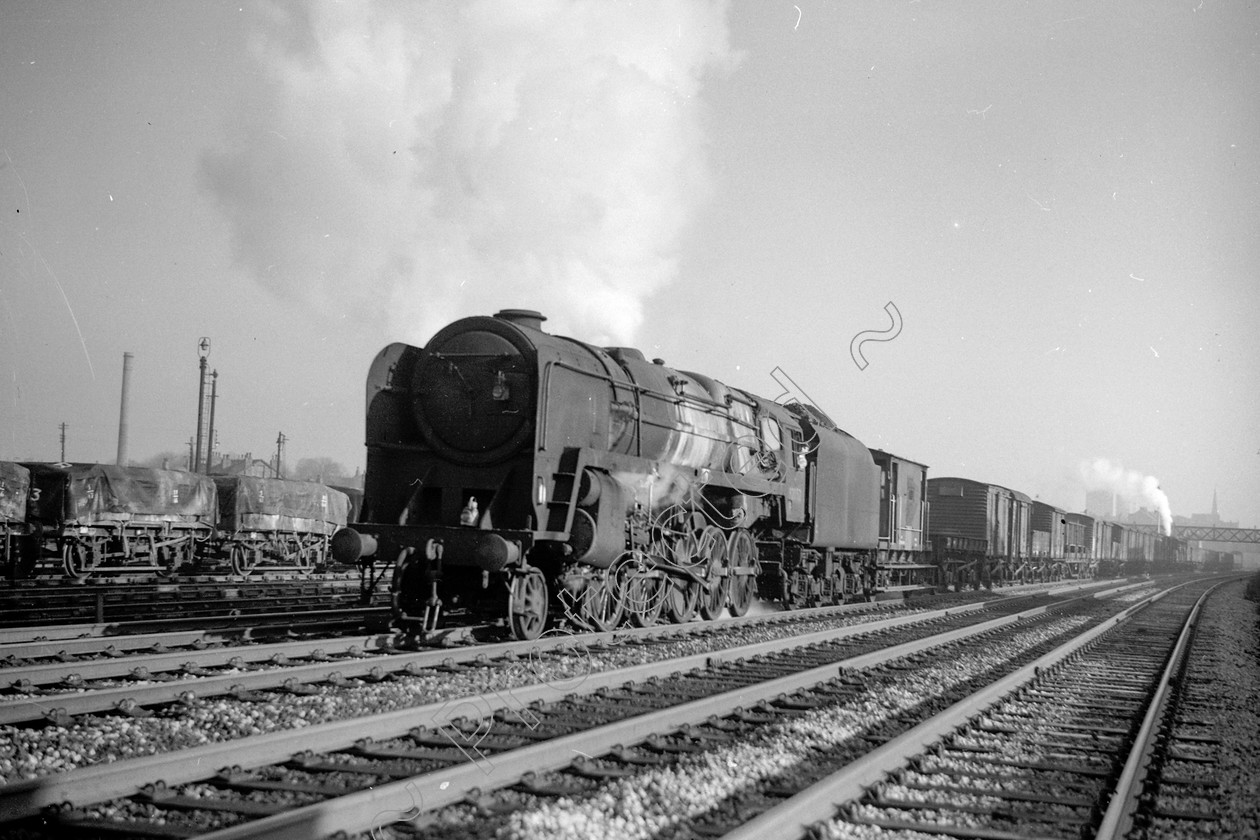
[(102, 782), (1042, 760), (93, 784)]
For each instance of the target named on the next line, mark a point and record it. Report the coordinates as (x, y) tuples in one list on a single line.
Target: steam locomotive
[(515, 476)]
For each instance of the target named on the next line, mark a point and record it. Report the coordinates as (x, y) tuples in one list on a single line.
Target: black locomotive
[(518, 476), (513, 474)]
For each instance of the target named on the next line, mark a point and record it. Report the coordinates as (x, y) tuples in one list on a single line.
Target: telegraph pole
[(203, 350), (63, 443)]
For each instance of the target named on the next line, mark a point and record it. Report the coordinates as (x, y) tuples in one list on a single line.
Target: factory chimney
[(124, 410)]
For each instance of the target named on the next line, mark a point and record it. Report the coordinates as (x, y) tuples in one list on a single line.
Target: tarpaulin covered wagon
[(15, 486), (277, 523), (103, 517)]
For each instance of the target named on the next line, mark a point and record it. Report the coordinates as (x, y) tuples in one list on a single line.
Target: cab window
[(771, 434)]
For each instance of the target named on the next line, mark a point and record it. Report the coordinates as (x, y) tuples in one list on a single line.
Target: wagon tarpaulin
[(94, 492), (250, 503), (15, 484)]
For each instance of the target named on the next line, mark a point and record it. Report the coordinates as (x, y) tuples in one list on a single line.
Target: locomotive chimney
[(522, 317), (123, 410)]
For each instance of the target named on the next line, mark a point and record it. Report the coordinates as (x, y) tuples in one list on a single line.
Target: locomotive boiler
[(516, 475)]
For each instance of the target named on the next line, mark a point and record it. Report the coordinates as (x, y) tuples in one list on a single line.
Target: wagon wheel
[(711, 551), (527, 605), (79, 559), (741, 551), (601, 609), (244, 558)]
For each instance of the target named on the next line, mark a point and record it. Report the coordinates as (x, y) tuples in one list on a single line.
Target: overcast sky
[(1058, 202)]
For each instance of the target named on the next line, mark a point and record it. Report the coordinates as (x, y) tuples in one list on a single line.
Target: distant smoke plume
[(417, 162), (1131, 485)]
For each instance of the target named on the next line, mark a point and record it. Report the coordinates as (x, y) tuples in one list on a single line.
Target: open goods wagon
[(102, 517), (15, 487), (276, 523)]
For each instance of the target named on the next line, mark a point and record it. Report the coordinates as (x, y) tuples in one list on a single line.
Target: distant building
[(1209, 520), (245, 464), (1245, 555), (1141, 516)]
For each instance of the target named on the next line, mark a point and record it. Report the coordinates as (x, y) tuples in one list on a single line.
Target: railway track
[(280, 775), (67, 686), (35, 603), (1200, 782), (1059, 749), (115, 640)]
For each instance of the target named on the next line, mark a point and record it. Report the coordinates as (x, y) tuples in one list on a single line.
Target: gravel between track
[(27, 752), (660, 803), (1227, 657)]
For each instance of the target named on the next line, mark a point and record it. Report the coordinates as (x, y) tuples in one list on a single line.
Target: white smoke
[(1130, 485), (417, 162)]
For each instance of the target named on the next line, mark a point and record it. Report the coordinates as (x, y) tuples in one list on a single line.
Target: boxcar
[(1078, 545), (904, 562), (970, 530)]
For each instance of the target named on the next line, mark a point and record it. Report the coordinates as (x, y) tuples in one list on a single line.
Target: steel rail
[(818, 803), (1118, 818), (12, 638), (216, 657), (39, 648), (117, 630), (102, 782), (363, 811), (117, 666), (58, 706)]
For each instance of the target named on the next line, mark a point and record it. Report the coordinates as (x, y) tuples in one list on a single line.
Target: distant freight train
[(518, 476), (89, 519)]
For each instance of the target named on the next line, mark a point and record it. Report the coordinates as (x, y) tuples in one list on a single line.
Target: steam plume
[(1103, 474), (417, 162)]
